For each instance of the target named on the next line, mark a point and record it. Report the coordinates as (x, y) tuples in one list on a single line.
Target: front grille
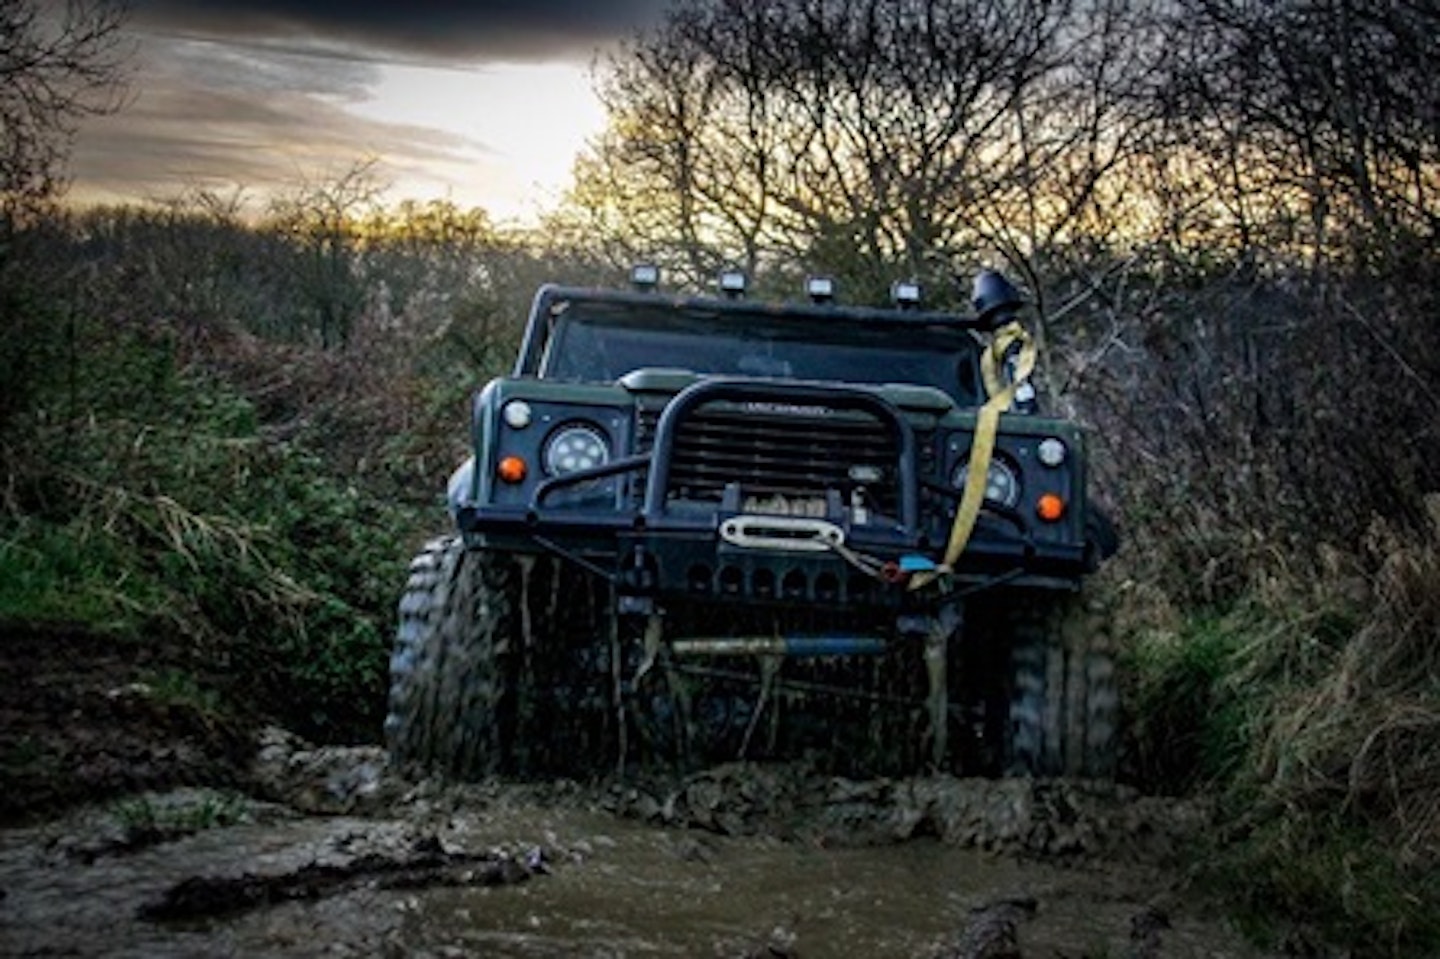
[(793, 455)]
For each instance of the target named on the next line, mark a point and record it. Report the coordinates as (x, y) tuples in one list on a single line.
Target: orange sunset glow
[(485, 109)]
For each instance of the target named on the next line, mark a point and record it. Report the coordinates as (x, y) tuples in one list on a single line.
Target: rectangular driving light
[(732, 283), (905, 294), (820, 289)]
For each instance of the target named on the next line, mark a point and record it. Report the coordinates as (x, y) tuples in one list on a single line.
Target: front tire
[(1063, 696), (449, 686)]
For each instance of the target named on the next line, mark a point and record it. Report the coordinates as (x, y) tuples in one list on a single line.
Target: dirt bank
[(86, 715)]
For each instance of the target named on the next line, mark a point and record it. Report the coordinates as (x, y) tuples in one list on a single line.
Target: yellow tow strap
[(987, 422)]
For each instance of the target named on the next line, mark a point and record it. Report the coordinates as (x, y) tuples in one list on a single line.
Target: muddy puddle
[(728, 864), (647, 892)]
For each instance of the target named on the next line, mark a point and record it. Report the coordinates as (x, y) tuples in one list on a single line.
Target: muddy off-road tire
[(448, 675), (1063, 697)]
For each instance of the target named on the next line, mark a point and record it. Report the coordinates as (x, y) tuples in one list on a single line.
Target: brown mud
[(85, 715), (142, 823), (343, 858)]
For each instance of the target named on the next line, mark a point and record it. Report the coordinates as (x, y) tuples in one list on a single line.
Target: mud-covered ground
[(85, 716), (138, 822), (326, 853)]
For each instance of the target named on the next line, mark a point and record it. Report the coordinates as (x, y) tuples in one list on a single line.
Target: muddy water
[(595, 884), (646, 892)]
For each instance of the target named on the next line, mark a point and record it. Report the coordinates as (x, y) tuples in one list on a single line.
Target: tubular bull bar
[(726, 553)]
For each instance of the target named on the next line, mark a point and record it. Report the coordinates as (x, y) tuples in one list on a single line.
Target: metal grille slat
[(771, 424), (781, 455), (775, 452), (719, 475), (877, 446)]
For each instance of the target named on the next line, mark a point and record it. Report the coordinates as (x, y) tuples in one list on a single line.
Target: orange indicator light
[(511, 469), (1050, 508)]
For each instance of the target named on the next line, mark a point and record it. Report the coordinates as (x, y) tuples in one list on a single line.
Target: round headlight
[(517, 414), (1002, 486), (575, 447), (1051, 451)]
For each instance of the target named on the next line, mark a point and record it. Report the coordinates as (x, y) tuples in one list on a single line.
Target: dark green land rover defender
[(698, 528)]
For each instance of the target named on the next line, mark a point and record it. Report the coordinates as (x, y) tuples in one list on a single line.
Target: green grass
[(1187, 722), (165, 508), (1329, 872), (1265, 705), (147, 816), (59, 572), (177, 687)]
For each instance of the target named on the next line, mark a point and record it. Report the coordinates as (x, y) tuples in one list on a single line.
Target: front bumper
[(661, 545)]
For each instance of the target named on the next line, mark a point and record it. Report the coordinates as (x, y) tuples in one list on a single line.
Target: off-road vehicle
[(704, 527)]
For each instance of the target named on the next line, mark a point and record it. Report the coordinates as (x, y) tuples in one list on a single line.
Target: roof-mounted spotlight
[(906, 294), (820, 289), (645, 277), (732, 283)]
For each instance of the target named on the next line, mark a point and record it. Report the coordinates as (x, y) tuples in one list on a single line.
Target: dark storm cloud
[(261, 70), (495, 29), (172, 139)]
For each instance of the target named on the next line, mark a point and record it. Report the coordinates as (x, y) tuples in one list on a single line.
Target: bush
[(1186, 723), (1311, 708), (165, 508)]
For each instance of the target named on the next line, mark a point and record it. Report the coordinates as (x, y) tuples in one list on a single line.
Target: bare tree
[(867, 139), (57, 66), (1316, 123), (323, 221)]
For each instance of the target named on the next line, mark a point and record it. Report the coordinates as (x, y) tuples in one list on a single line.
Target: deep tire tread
[(457, 618), (1064, 700)]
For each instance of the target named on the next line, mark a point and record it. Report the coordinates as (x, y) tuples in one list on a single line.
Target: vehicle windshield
[(603, 342)]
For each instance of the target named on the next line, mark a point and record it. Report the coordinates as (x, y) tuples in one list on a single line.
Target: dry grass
[(1311, 704), (365, 409), (1358, 722)]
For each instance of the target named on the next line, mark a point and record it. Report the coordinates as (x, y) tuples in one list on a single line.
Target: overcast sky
[(485, 102)]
